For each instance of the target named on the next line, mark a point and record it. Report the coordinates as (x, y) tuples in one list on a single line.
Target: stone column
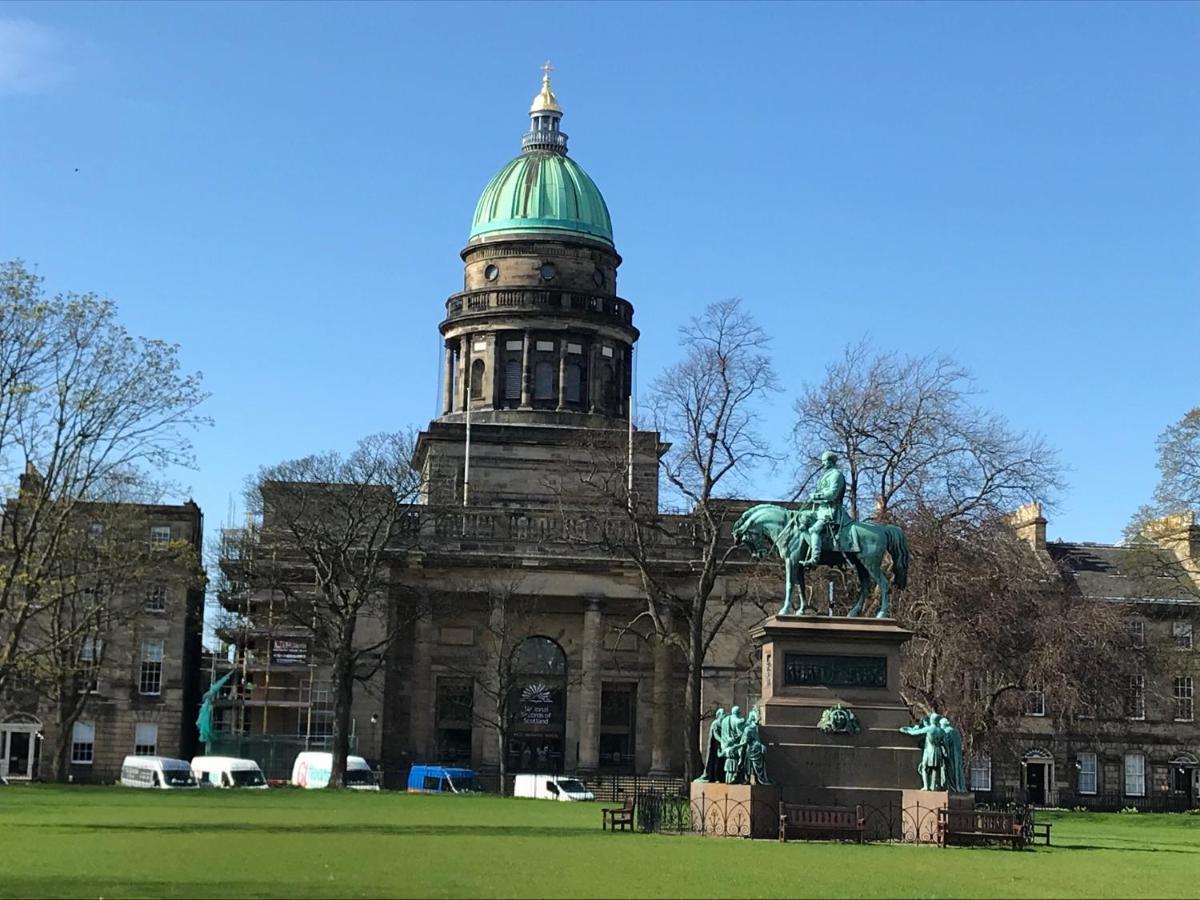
[(562, 374), (592, 371), (660, 759), (589, 688), (421, 723), (448, 380), (486, 700), (526, 374)]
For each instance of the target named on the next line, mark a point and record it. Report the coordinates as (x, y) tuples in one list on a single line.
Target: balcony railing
[(477, 302)]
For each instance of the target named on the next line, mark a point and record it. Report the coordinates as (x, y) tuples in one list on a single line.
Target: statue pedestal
[(919, 821), (735, 810), (811, 664)]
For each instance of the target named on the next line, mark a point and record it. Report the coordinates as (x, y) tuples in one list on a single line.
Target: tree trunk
[(503, 747), (343, 699), (68, 710)]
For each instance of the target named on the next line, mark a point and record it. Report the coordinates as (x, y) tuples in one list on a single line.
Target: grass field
[(114, 842)]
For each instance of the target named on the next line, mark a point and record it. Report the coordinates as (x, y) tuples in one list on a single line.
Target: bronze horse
[(765, 526)]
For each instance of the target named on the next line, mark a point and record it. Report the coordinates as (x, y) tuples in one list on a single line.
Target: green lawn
[(115, 842)]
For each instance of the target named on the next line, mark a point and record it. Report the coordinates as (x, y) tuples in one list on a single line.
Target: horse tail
[(897, 546)]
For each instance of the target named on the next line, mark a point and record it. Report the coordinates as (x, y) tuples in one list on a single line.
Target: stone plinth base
[(735, 810), (921, 810)]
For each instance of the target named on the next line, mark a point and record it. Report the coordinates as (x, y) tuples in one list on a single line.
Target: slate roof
[(1101, 572)]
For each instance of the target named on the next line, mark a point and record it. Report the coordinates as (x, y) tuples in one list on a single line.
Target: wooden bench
[(615, 817), (978, 826), (795, 818), (1040, 830)]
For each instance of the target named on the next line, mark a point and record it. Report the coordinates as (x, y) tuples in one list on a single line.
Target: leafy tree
[(88, 414)]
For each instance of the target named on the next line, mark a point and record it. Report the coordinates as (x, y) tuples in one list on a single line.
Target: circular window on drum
[(598, 277), (548, 271), (491, 273)]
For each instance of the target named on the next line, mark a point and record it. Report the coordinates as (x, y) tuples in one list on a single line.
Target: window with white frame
[(145, 739), (1087, 773), (83, 743), (160, 534), (981, 772), (150, 677), (1135, 775), (1185, 693), (90, 652), (1182, 632), (1137, 633), (1135, 697), (1035, 700), (156, 598)]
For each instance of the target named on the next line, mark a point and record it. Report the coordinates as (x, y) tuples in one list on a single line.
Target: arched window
[(540, 656), (574, 376), (477, 370), (538, 706), (543, 381), (512, 380), (608, 387)]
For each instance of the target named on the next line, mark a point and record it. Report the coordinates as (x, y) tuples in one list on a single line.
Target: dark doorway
[(1184, 782), (1035, 782)]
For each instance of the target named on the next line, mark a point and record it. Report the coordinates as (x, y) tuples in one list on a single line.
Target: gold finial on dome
[(545, 101)]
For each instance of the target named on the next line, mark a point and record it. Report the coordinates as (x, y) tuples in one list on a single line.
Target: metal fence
[(1104, 802)]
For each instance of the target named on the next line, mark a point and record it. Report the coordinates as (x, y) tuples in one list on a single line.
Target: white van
[(311, 770), (157, 772), (228, 772), (551, 787)]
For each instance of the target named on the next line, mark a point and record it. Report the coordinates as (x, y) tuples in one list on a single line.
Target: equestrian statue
[(822, 533)]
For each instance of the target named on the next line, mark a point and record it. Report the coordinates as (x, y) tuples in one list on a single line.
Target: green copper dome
[(545, 191)]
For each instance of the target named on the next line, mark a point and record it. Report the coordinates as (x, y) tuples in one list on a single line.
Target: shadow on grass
[(1126, 848), (92, 886), (452, 831)]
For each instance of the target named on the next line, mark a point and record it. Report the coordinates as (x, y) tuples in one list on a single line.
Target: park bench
[(1040, 830), (799, 819), (615, 817), (981, 826)]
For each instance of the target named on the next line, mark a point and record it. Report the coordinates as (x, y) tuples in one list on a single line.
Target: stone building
[(1149, 756), (538, 350), (140, 673)]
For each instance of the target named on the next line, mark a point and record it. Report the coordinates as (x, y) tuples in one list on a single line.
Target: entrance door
[(1185, 781), (1035, 782), (17, 755)]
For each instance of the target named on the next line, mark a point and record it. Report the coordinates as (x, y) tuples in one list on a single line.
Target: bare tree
[(86, 412), (708, 406), (911, 438), (993, 621), (995, 629), (334, 532)]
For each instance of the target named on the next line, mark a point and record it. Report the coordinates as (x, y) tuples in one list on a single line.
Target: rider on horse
[(826, 500)]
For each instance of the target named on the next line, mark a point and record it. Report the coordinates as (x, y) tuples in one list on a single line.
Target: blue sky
[(283, 190)]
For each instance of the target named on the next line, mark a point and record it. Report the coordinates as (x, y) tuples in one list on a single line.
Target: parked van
[(228, 772), (551, 787), (157, 772), (311, 770), (440, 780)]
